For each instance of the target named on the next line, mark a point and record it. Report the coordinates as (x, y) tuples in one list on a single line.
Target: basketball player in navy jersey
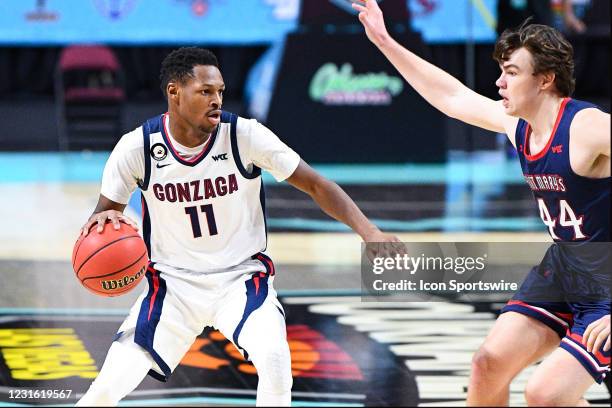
[(564, 150), (199, 170)]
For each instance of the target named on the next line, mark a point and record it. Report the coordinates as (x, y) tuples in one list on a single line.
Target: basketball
[(110, 263)]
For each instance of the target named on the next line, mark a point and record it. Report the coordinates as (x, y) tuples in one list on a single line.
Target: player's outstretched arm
[(439, 88), (336, 203), (107, 210)]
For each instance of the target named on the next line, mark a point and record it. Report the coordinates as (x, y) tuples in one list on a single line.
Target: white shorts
[(175, 309)]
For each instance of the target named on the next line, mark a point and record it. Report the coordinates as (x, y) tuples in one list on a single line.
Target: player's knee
[(484, 362)]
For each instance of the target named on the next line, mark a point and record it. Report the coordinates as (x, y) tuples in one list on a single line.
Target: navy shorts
[(548, 295)]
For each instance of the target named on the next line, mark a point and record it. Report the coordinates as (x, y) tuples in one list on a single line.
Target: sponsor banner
[(234, 21), (475, 271), (337, 99), (150, 21), (333, 85)]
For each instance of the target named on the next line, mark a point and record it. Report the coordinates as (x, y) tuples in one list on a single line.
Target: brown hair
[(550, 51)]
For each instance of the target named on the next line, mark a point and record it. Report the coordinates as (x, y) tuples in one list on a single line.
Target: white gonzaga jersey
[(206, 213)]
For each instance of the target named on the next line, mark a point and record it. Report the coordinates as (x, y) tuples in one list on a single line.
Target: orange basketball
[(110, 263)]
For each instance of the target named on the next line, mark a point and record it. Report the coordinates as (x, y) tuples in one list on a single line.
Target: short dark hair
[(550, 50), (178, 65)]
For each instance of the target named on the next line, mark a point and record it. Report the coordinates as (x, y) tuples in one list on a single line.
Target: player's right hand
[(371, 16), (102, 217)]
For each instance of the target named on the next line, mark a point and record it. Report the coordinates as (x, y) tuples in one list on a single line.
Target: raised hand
[(371, 16)]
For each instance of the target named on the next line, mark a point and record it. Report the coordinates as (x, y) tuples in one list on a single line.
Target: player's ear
[(172, 89), (547, 80)]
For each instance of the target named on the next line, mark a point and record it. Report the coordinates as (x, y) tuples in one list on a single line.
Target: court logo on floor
[(332, 363), (312, 355)]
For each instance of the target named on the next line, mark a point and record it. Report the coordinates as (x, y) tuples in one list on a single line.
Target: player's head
[(535, 59), (192, 83)]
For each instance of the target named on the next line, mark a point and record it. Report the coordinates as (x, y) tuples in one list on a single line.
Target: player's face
[(200, 98), (518, 87)]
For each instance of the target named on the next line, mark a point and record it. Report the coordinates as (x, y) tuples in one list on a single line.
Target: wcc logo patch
[(218, 157), (159, 151)]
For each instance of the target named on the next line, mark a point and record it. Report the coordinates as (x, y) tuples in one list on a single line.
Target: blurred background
[(77, 74)]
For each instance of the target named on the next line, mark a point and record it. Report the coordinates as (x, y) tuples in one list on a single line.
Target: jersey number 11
[(195, 220)]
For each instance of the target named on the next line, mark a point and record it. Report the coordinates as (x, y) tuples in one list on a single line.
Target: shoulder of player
[(133, 139), (589, 118), (131, 142), (249, 128), (245, 125), (591, 126)]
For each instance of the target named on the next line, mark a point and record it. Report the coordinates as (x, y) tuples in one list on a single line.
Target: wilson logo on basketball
[(110, 263), (113, 284)]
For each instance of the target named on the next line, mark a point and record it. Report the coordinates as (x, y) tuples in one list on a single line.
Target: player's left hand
[(596, 333), (379, 244)]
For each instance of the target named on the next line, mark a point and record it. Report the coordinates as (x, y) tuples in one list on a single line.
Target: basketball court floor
[(345, 352)]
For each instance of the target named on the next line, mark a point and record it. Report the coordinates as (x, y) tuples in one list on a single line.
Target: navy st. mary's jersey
[(573, 207)]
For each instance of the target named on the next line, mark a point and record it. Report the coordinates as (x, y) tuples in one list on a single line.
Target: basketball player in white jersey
[(535, 84), (199, 169)]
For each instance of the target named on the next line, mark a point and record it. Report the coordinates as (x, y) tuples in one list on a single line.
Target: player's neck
[(543, 117), (185, 134)]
